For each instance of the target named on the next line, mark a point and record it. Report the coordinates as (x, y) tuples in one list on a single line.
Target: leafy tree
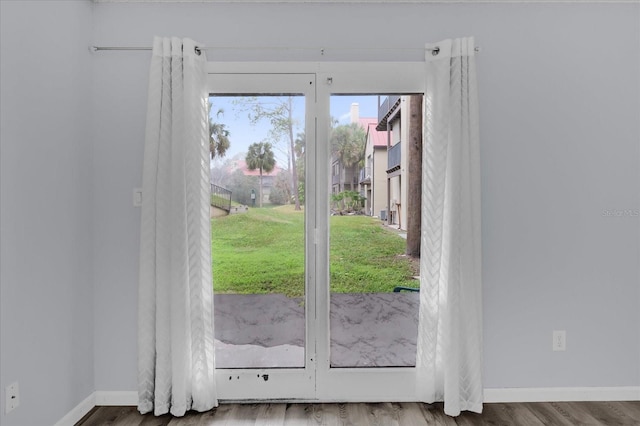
[(281, 190), (347, 143), (260, 156), (301, 186), (300, 146), (337, 200), (278, 111), (347, 201), (220, 174), (218, 136), (241, 186), (353, 201)]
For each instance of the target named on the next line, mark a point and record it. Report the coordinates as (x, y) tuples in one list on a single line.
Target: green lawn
[(218, 200), (262, 251)]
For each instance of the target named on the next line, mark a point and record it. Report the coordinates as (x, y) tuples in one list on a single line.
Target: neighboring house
[(393, 118), (373, 179), (343, 178), (346, 178), (268, 179)]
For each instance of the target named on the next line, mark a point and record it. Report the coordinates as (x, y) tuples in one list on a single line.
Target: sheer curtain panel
[(449, 357), (175, 306)]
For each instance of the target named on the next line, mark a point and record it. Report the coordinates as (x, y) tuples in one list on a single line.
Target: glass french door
[(284, 337), (262, 257)]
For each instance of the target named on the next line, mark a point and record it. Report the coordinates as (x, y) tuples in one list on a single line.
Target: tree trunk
[(294, 170), (414, 172), (260, 188)]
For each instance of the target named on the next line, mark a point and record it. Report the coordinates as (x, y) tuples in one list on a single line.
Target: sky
[(242, 133)]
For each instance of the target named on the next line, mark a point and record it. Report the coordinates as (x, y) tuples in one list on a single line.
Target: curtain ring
[(435, 51), (197, 50)]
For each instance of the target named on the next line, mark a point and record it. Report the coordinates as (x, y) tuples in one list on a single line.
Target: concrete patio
[(267, 330)]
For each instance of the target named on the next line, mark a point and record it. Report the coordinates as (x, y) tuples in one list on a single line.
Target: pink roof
[(379, 137), (242, 165)]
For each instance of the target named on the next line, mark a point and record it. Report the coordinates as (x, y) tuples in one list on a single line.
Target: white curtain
[(449, 357), (175, 306)]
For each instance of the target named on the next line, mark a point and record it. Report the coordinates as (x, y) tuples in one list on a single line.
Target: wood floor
[(381, 414)]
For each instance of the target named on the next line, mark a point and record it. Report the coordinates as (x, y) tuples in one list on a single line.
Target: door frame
[(319, 382), (277, 383)]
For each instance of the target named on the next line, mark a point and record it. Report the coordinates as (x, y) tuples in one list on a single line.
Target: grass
[(262, 251), (218, 200)]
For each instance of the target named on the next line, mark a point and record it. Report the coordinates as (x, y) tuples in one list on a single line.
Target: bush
[(281, 189), (241, 186), (347, 202)]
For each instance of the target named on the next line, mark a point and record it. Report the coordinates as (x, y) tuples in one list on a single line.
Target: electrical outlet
[(559, 340), (12, 397), (137, 197)]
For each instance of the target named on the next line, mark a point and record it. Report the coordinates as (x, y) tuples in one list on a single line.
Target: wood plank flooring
[(380, 414)]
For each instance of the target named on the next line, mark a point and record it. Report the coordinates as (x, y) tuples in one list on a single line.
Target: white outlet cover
[(12, 397), (559, 340)]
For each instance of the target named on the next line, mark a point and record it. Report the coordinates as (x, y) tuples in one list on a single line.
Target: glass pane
[(374, 300), (257, 230)]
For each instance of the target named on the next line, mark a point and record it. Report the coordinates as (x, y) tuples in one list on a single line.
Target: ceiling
[(365, 1)]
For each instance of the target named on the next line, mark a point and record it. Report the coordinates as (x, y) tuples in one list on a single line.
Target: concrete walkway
[(366, 330)]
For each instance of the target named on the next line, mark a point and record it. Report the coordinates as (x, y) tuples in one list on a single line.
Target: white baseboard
[(96, 399), (122, 398), (80, 410), (629, 393)]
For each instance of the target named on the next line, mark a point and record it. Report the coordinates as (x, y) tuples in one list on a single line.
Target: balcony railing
[(365, 175), (220, 197), (347, 177), (350, 177), (387, 104), (393, 157), (384, 109)]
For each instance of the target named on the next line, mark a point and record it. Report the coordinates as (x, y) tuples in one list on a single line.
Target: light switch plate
[(137, 197), (12, 397)]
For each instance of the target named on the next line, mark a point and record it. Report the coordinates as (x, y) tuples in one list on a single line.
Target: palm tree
[(279, 113), (347, 143), (260, 156), (218, 137)]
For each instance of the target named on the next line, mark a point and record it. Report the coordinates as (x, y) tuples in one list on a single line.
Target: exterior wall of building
[(343, 178), (379, 181), (366, 189), (397, 184), (394, 198)]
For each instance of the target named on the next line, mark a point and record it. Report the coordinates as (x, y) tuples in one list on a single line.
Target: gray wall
[(46, 219), (560, 108), (559, 96)]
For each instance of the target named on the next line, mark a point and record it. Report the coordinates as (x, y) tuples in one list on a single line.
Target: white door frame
[(277, 383), (318, 381)]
